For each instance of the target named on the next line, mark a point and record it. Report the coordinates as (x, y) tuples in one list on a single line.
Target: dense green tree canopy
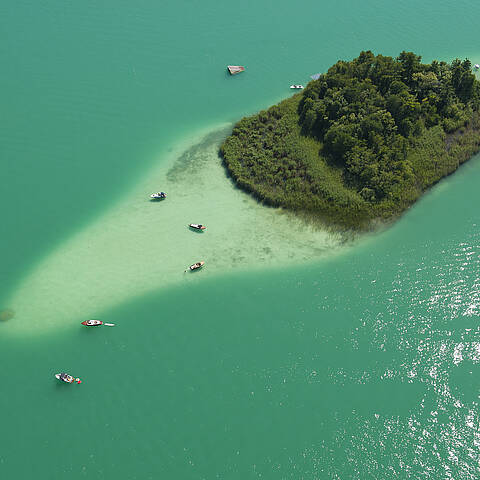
[(352, 139), (366, 110)]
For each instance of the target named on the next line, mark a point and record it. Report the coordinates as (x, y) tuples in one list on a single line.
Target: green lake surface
[(292, 354)]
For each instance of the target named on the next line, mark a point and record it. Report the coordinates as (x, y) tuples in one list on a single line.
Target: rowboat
[(158, 196), (196, 266), (96, 323), (92, 323), (197, 226)]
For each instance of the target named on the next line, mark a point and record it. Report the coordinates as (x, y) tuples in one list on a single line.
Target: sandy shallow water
[(141, 246)]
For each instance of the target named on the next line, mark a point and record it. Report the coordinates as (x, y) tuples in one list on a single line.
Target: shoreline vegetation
[(363, 142)]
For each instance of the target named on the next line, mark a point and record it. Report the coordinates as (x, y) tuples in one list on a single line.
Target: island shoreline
[(285, 156)]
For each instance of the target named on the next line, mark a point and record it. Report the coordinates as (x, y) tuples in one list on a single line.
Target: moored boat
[(197, 226), (296, 86), (158, 195), (92, 323), (65, 377), (96, 323), (234, 69), (196, 266)]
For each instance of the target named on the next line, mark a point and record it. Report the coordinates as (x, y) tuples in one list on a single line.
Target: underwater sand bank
[(140, 246)]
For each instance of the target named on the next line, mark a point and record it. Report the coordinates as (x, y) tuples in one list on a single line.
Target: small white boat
[(92, 323), (296, 87), (196, 266), (197, 226), (158, 195), (476, 66), (96, 323), (65, 377)]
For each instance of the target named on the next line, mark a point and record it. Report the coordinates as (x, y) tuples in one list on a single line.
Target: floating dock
[(234, 69)]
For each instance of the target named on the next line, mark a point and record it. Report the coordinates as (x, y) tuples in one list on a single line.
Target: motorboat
[(158, 196), (296, 87), (196, 266), (96, 323), (65, 377), (92, 323), (476, 66), (197, 226)]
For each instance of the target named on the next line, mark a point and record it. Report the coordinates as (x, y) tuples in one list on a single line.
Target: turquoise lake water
[(291, 355)]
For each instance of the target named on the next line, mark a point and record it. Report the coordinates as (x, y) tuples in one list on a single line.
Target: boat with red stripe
[(96, 323)]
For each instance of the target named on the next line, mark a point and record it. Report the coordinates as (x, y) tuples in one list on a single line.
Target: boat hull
[(234, 69), (158, 196), (196, 266), (73, 379)]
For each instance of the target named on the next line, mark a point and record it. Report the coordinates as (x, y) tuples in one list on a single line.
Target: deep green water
[(343, 362)]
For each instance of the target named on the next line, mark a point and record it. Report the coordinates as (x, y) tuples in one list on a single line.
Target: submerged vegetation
[(362, 142)]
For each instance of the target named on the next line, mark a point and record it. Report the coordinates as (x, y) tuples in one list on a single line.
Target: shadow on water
[(195, 270), (88, 330), (194, 160), (6, 314), (59, 385)]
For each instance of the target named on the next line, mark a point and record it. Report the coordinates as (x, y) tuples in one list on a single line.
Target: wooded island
[(362, 142)]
